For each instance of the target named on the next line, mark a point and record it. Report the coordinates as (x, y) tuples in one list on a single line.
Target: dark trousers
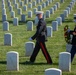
[(73, 51), (44, 51)]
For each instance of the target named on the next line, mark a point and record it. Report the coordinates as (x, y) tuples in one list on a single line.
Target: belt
[(42, 33)]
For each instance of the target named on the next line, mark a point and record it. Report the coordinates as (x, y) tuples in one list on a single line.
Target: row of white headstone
[(13, 60), (29, 5), (25, 8), (64, 63), (67, 11), (8, 36), (50, 29), (23, 17), (30, 25), (12, 13), (62, 17), (4, 17)]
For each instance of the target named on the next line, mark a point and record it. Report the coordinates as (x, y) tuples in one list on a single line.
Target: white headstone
[(61, 1), (59, 20), (50, 1), (38, 1), (30, 5), (3, 6), (41, 0), (55, 25), (5, 26), (15, 21), (30, 0), (68, 9), (29, 25), (4, 17), (36, 20), (65, 13), (26, 1), (19, 11), (53, 71), (55, 7), (58, 4), (49, 31), (16, 6), (29, 47), (34, 3), (44, 5), (12, 61), (75, 18), (23, 18), (10, 8), (30, 14), (65, 61), (47, 14), (44, 16), (52, 10), (63, 17), (21, 3), (8, 0), (3, 1), (8, 39), (12, 14), (72, 4), (34, 10), (3, 11), (25, 7), (47, 3), (39, 8), (19, 0), (9, 3), (14, 1)]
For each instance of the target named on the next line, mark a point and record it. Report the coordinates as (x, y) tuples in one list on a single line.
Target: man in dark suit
[(41, 38)]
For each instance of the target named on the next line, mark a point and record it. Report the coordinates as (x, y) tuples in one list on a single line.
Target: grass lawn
[(20, 35)]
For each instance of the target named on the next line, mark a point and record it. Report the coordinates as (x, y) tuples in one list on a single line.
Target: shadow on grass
[(68, 20), (20, 22), (3, 62), (0, 21), (55, 64), (28, 63), (7, 20), (41, 63), (49, 21)]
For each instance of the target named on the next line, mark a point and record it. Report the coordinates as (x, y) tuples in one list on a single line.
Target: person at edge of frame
[(41, 38), (73, 42)]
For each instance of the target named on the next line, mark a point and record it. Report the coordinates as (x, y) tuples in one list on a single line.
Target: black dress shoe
[(50, 63), (29, 62)]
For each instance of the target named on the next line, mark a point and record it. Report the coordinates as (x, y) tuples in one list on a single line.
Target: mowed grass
[(55, 44)]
